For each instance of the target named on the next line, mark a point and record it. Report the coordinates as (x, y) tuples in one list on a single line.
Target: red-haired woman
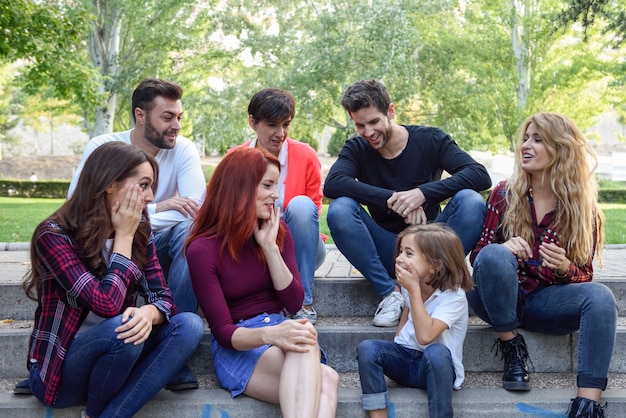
[(243, 269)]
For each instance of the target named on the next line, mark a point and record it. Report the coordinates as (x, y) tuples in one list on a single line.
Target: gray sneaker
[(311, 315), (389, 310)]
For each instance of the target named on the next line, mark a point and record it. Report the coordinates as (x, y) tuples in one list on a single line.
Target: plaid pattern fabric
[(69, 291), (532, 273)]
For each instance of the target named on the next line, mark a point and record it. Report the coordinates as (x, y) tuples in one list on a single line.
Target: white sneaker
[(389, 310), (311, 315)]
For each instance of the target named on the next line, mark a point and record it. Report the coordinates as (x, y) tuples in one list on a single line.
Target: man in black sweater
[(395, 170)]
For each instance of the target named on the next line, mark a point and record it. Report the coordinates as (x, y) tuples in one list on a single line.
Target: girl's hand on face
[(294, 335), (406, 277), (554, 257), (266, 233), (519, 247), (126, 215)]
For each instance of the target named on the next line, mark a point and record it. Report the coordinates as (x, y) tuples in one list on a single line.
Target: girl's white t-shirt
[(450, 307)]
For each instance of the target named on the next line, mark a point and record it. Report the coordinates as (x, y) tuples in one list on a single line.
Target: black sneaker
[(585, 408), (515, 355)]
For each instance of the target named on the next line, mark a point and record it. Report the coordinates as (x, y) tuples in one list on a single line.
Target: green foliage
[(41, 189), (446, 63), (612, 196), (337, 140), (49, 36), (588, 12)]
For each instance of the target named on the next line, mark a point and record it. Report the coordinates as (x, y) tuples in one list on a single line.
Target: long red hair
[(229, 208)]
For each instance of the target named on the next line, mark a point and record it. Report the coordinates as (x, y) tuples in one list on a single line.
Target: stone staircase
[(345, 303)]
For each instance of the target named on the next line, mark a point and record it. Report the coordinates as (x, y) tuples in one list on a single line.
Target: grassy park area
[(20, 216)]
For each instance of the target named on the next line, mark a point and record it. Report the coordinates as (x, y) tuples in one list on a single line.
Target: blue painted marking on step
[(533, 410)]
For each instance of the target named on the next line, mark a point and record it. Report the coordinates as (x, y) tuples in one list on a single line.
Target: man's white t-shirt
[(180, 174)]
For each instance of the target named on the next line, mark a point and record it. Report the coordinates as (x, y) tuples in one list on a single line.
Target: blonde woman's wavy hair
[(570, 169)]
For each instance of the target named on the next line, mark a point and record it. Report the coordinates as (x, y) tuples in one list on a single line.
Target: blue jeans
[(557, 310), (170, 250), (370, 248), (302, 218), (118, 379), (431, 370)]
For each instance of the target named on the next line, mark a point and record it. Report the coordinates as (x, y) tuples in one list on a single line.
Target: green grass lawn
[(20, 216), (615, 222)]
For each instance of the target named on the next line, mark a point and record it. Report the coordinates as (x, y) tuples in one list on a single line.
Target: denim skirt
[(234, 368)]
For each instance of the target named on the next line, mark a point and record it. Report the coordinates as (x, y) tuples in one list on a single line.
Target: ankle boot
[(515, 355), (585, 408)]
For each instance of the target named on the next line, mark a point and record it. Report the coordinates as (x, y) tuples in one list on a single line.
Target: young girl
[(428, 348)]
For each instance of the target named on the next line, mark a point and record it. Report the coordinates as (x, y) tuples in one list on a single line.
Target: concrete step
[(339, 289), (339, 338), (405, 402), (345, 303)]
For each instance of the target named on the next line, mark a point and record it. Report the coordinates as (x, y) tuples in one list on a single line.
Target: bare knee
[(330, 379)]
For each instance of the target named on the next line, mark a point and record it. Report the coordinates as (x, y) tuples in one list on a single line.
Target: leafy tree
[(588, 12), (94, 52), (48, 37), (495, 63), (312, 49)]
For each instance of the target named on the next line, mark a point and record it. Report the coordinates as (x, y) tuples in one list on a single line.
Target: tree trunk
[(104, 48)]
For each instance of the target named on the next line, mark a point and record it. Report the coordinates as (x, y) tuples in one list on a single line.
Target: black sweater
[(363, 174)]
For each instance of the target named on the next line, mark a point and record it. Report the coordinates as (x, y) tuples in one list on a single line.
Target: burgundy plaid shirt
[(532, 273), (69, 291)]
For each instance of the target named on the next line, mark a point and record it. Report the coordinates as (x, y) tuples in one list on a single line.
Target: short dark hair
[(364, 94), (272, 104), (151, 88)]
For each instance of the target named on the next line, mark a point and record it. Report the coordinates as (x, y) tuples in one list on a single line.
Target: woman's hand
[(125, 215), (293, 335), (265, 234), (519, 247), (554, 257), (136, 324)]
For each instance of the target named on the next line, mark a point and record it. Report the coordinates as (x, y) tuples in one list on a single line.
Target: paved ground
[(14, 261)]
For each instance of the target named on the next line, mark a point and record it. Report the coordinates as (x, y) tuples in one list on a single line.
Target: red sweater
[(229, 291)]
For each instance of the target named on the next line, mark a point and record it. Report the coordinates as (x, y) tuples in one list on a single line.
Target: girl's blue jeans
[(431, 370), (118, 379), (557, 310)]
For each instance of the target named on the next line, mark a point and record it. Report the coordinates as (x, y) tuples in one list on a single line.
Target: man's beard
[(155, 137)]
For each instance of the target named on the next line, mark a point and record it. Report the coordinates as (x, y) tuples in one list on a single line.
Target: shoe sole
[(22, 391), (182, 386), (385, 324), (516, 386)]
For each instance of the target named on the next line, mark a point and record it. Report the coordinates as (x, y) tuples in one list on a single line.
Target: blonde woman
[(533, 264)]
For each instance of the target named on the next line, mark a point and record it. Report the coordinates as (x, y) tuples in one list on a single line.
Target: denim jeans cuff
[(586, 381), (373, 401), (506, 327)]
